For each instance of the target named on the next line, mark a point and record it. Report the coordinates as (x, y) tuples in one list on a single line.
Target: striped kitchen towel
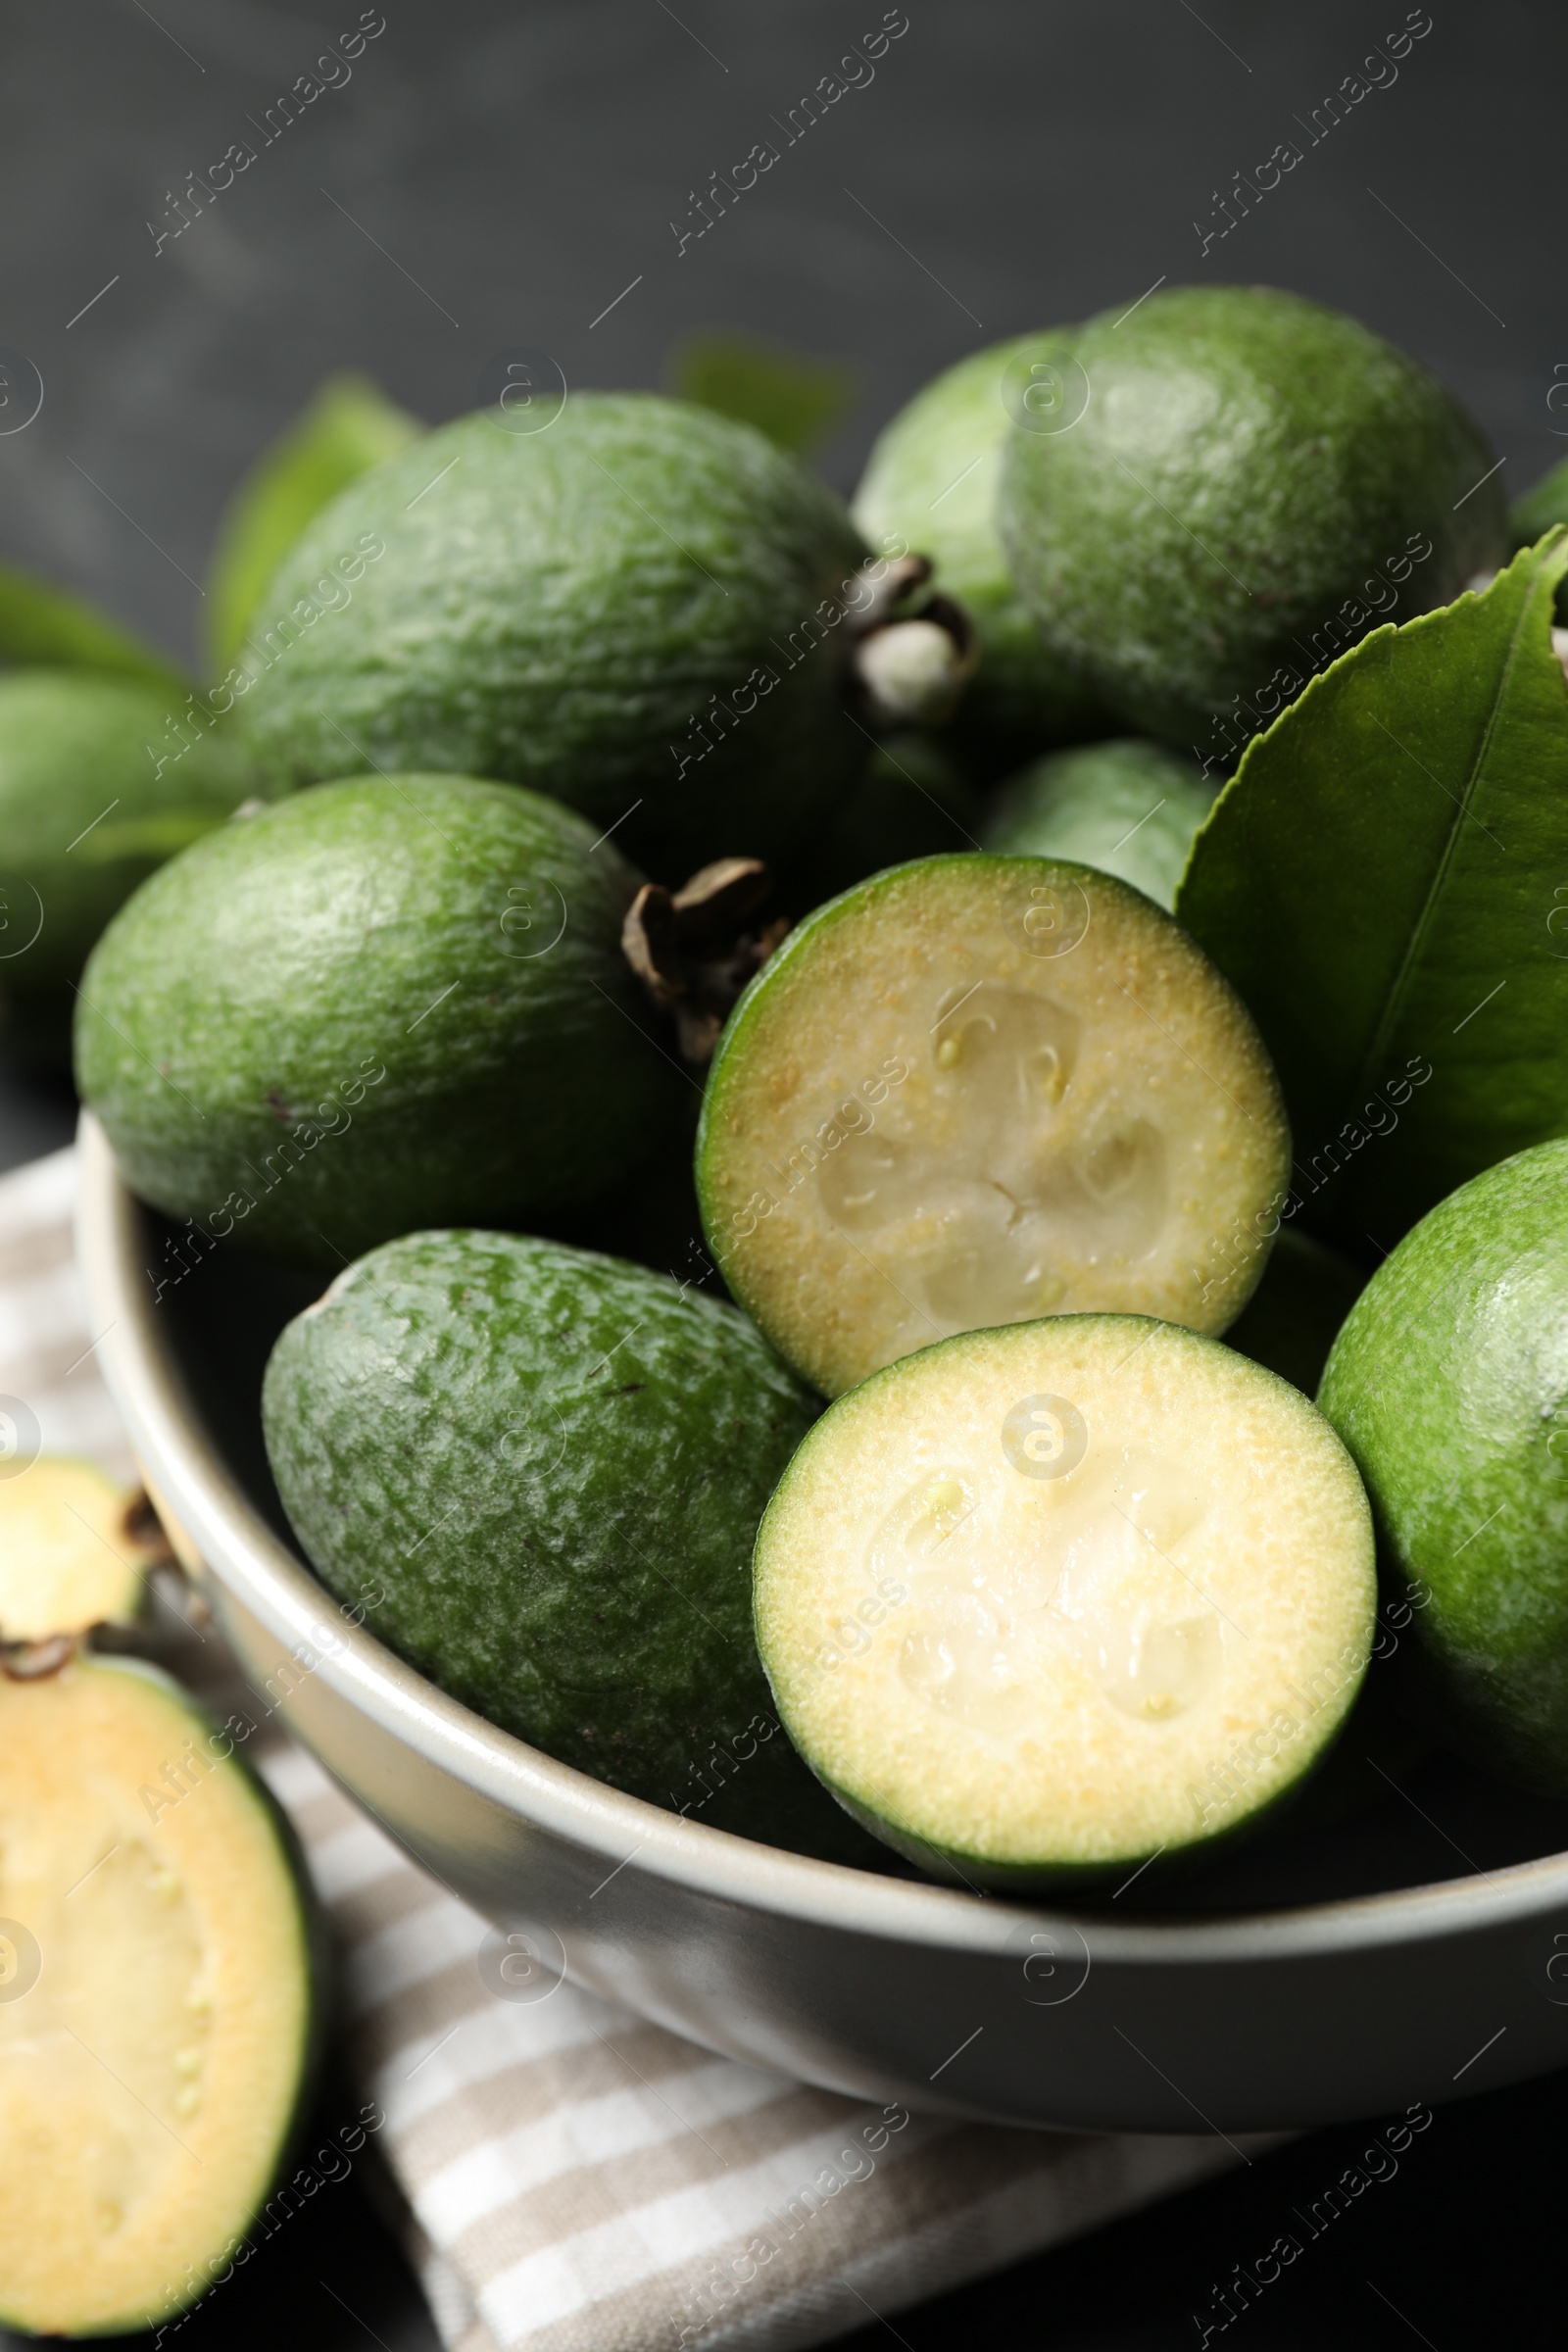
[(576, 2179)]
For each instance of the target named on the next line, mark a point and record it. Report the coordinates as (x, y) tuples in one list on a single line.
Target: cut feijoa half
[(977, 1090), (1048, 1601), (74, 1549), (157, 1973)]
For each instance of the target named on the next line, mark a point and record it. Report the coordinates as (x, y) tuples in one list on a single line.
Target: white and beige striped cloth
[(577, 2180)]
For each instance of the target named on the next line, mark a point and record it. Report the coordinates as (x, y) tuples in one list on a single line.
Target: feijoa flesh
[(977, 1090), (160, 1998), (640, 609), (552, 1465), (1050, 1601), (1449, 1385), (382, 1004), (74, 1549)]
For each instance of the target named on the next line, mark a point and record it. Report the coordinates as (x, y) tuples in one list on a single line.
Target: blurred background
[(496, 175), (492, 177)]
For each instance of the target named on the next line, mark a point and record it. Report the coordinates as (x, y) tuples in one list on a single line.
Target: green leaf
[(349, 427), (795, 402), (43, 628), (1385, 880)]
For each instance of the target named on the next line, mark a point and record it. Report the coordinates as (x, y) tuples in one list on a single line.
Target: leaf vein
[(1415, 948)]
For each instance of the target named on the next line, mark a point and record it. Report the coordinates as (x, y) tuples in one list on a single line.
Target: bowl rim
[(243, 1554)]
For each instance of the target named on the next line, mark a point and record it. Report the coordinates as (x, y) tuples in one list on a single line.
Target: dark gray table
[(494, 176)]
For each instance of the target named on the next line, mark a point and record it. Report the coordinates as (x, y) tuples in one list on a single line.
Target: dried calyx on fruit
[(910, 661), (691, 948), (31, 1661)]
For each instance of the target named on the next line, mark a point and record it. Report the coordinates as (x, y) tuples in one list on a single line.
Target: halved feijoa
[(74, 1549), (157, 2000), (1060, 1597), (976, 1090)]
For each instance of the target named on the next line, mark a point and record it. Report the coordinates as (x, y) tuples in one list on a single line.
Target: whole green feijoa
[(931, 479), (1449, 1385), (641, 608), (101, 779), (1129, 806), (386, 1001), (1250, 483), (550, 1466)]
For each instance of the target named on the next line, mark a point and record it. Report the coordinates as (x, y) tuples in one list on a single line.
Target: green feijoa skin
[(1295, 1315), (1129, 806), (552, 1465), (165, 1998), (101, 780), (978, 1090), (1449, 1385), (1249, 482), (380, 1003), (640, 608), (931, 480), (1049, 1602)]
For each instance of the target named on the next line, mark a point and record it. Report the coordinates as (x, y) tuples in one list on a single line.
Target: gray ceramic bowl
[(1416, 1951)]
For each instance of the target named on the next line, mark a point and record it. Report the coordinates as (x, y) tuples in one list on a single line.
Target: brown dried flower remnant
[(691, 950)]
